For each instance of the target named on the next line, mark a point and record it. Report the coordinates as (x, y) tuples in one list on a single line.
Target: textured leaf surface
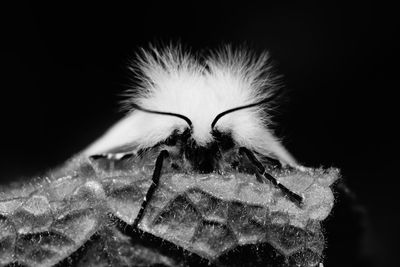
[(210, 217)]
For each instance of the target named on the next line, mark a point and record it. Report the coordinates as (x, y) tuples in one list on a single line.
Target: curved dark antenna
[(163, 113), (236, 109)]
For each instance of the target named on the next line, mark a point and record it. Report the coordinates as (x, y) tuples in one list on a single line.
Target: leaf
[(83, 214)]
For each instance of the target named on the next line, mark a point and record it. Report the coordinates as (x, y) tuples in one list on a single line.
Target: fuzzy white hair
[(172, 80)]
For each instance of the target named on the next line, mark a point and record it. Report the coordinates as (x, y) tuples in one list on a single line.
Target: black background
[(66, 67)]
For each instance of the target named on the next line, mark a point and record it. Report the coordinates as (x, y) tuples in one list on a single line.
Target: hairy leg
[(155, 180)]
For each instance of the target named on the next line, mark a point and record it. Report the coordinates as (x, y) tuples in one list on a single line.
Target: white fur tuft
[(172, 80)]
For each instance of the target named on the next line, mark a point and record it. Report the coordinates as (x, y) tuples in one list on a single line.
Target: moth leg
[(261, 169), (155, 180)]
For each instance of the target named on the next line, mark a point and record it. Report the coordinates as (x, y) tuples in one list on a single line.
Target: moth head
[(203, 152)]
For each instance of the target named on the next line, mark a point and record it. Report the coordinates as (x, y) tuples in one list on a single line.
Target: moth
[(205, 113)]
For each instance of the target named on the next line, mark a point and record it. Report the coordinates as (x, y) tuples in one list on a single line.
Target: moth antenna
[(188, 121), (220, 115)]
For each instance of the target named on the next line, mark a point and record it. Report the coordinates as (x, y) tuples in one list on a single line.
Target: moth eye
[(172, 139), (224, 140), (186, 134)]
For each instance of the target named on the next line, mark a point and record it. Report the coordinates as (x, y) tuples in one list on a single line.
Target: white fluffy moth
[(204, 115), (194, 165)]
